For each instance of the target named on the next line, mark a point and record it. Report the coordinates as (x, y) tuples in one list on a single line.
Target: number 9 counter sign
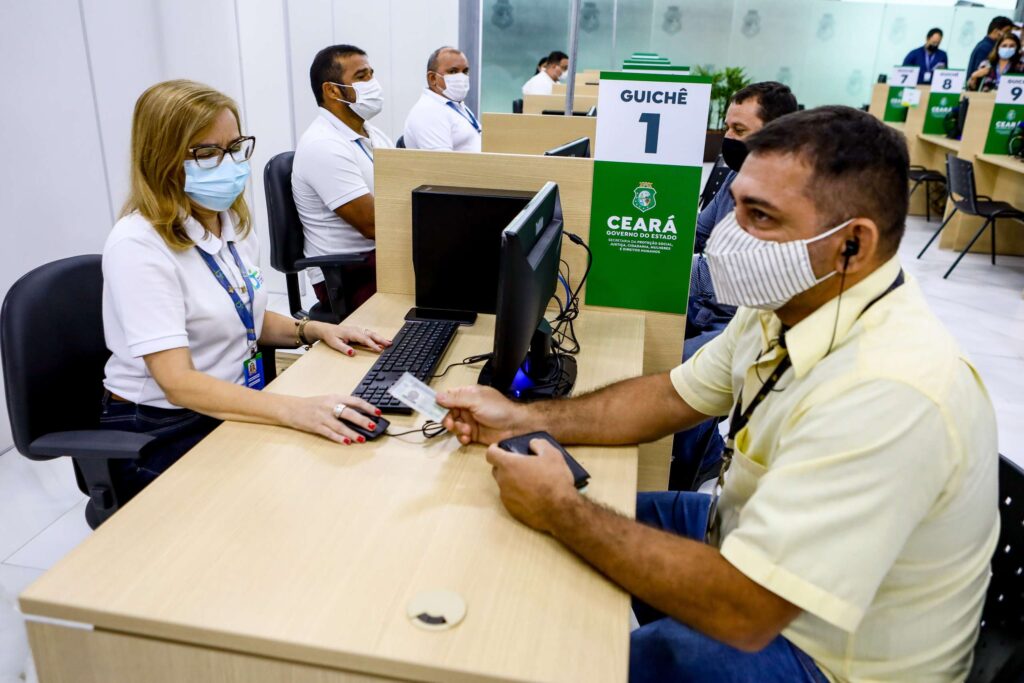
[(1006, 115), (647, 168)]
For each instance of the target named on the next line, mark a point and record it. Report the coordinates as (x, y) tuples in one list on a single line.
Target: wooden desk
[(266, 554), (397, 172), (582, 90), (538, 104), (533, 133), (945, 143)]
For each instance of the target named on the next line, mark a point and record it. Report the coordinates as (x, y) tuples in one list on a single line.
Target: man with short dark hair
[(441, 120), (543, 83), (332, 174), (852, 537), (697, 451), (928, 57), (996, 28)]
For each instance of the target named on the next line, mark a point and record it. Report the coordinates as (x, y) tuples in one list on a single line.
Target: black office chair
[(53, 354), (960, 181), (517, 106), (999, 654), (287, 242), (714, 183), (919, 175), (400, 143)]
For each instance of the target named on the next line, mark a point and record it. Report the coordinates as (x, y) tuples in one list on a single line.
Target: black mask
[(931, 48), (733, 153)]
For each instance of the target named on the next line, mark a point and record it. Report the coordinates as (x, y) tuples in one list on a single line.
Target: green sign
[(631, 66), (894, 109), (939, 105), (1007, 114), (647, 169)]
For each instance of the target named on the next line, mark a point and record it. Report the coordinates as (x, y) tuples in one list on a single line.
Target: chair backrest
[(51, 337), (400, 143), (1002, 621), (287, 241), (714, 183), (960, 180)]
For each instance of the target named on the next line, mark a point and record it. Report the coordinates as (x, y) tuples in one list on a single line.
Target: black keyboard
[(416, 349)]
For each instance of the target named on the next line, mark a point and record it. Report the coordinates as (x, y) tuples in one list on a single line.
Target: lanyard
[(359, 144), (928, 60), (467, 114), (246, 315), (739, 419)]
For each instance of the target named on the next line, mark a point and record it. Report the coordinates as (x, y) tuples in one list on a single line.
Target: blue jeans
[(663, 649), (176, 431)]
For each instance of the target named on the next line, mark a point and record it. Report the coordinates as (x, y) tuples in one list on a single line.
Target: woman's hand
[(339, 337), (327, 416)]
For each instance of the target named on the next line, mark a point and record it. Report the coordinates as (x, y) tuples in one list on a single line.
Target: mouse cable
[(470, 360), (428, 429)]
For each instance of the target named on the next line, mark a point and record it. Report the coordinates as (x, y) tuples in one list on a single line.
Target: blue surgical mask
[(216, 188), (1007, 52)]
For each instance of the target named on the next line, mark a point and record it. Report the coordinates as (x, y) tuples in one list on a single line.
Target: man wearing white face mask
[(332, 174), (852, 536), (440, 119)]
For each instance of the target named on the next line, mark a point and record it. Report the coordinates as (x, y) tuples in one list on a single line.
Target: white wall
[(72, 70)]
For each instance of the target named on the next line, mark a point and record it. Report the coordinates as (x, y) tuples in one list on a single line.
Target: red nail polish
[(351, 352), (370, 426), (377, 411), (360, 439), (347, 441)]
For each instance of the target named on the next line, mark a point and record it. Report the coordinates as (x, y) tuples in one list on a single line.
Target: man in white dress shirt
[(332, 175), (544, 82), (440, 119)]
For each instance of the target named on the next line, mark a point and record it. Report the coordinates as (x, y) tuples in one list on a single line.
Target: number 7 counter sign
[(651, 130), (1007, 114)]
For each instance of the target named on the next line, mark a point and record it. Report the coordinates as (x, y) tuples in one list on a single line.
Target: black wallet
[(521, 444)]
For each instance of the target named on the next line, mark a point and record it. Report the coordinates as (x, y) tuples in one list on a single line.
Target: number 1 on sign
[(653, 122)]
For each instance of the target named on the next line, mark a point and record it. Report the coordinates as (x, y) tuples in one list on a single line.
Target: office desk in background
[(267, 554)]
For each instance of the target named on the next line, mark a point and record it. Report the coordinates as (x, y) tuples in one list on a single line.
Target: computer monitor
[(592, 111), (576, 148), (561, 112), (523, 365)]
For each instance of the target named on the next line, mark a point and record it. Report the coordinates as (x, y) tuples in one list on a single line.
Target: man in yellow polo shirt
[(852, 537)]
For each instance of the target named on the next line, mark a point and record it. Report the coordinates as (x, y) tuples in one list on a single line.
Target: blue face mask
[(1007, 52), (216, 188)]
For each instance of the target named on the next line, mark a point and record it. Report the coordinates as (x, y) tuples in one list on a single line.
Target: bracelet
[(300, 333)]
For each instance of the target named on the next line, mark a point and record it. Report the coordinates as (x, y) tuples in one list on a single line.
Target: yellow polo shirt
[(864, 489)]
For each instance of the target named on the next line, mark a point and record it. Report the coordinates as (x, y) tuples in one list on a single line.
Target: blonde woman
[(184, 304)]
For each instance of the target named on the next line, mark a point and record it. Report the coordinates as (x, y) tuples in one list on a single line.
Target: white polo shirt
[(333, 165), (541, 84), (156, 298), (435, 122)]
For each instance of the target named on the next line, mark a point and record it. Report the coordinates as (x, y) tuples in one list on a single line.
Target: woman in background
[(1004, 58)]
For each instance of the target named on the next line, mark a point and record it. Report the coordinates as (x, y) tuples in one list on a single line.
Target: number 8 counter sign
[(647, 167)]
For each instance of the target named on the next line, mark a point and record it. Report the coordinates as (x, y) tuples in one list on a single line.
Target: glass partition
[(828, 51)]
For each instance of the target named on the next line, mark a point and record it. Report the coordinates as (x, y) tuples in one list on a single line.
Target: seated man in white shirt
[(332, 175), (544, 82), (440, 119)]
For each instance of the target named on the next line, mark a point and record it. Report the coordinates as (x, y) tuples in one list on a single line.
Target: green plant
[(724, 84)]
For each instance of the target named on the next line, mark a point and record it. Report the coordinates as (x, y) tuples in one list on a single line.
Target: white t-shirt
[(156, 298), (333, 165), (541, 84), (435, 122)]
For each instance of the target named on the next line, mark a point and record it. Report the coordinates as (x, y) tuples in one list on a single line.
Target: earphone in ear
[(851, 248)]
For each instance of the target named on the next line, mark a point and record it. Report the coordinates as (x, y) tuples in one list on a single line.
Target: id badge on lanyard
[(252, 366)]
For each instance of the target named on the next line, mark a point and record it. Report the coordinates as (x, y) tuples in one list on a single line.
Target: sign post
[(647, 168), (1007, 113), (946, 87), (899, 78)]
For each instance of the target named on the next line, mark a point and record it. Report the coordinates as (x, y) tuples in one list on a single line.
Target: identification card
[(418, 396), (252, 368)]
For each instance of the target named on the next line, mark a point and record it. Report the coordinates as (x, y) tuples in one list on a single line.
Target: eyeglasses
[(210, 156)]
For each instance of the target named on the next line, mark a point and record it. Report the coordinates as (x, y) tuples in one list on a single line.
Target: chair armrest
[(984, 197), (329, 261), (94, 444)]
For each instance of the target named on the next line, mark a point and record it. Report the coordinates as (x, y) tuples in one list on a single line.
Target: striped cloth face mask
[(747, 271)]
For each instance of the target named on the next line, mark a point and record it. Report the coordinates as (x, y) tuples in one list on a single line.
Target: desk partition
[(538, 104), (582, 90), (533, 133), (398, 172)]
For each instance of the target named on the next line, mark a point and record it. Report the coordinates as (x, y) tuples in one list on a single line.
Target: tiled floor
[(41, 509)]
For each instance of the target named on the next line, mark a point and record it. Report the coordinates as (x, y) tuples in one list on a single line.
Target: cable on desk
[(428, 429), (470, 360)]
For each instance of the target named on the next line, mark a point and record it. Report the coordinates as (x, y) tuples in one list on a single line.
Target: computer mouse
[(360, 427), (521, 445)]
